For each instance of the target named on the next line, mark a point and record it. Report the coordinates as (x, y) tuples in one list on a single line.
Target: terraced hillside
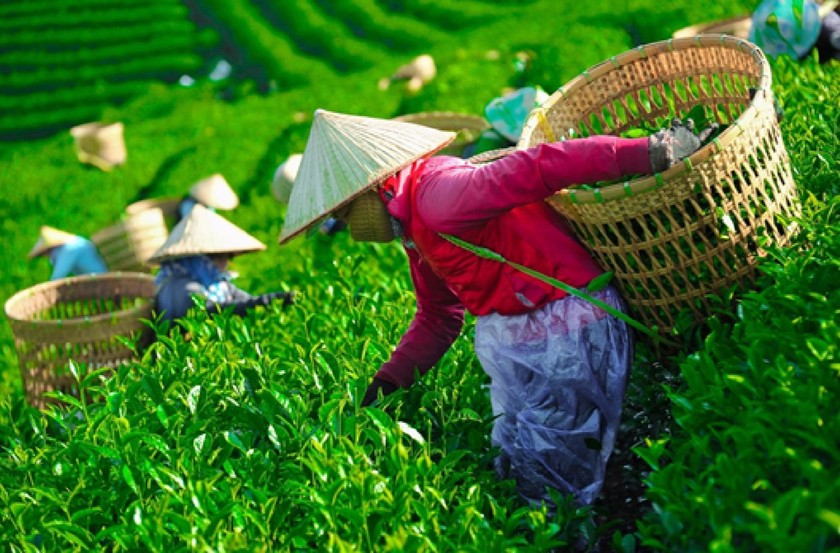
[(63, 62)]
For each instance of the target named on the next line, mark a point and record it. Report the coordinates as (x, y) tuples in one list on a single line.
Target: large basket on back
[(127, 245), (81, 319), (699, 227), (467, 126)]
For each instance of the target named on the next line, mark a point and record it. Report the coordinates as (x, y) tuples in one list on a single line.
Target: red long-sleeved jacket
[(499, 206)]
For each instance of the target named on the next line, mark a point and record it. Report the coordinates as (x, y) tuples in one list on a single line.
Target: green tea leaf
[(600, 282), (129, 479), (411, 432)]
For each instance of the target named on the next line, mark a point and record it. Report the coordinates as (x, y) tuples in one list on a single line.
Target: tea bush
[(246, 433), (752, 463)]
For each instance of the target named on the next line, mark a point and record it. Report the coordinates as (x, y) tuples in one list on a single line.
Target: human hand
[(373, 389), (668, 146)]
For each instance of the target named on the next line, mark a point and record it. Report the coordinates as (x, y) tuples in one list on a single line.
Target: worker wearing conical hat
[(193, 262), (558, 364), (68, 253), (212, 192)]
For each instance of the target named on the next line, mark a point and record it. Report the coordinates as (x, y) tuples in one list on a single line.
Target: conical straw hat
[(348, 154), (284, 178), (205, 232), (49, 238), (215, 192)]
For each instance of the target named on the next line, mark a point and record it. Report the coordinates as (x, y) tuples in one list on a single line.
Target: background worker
[(194, 262), (69, 254)]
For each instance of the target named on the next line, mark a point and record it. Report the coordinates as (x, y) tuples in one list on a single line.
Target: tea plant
[(246, 433)]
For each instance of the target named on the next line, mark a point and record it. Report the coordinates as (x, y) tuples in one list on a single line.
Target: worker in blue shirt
[(69, 254)]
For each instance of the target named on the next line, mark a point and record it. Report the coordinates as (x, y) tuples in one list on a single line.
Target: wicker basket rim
[(712, 27), (105, 278), (454, 119), (152, 203), (652, 182)]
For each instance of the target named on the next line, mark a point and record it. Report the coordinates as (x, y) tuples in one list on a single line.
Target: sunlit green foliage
[(246, 434)]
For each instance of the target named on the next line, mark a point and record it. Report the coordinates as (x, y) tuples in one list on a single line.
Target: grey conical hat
[(205, 232), (348, 154)]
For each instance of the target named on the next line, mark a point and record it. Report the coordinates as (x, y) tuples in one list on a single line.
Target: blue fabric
[(76, 257), (558, 376), (785, 27), (187, 204), (201, 269), (507, 114)]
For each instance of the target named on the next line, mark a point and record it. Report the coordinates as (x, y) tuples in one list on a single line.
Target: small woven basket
[(468, 127), (80, 319), (675, 238), (127, 245)]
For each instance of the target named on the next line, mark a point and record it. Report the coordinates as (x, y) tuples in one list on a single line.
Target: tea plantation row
[(249, 436)]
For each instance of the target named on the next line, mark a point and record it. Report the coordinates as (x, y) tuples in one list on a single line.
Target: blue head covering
[(507, 114), (788, 27)]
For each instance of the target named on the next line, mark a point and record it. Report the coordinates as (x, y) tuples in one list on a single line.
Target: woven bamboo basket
[(167, 206), (80, 319), (125, 246), (735, 26), (701, 226), (468, 127)]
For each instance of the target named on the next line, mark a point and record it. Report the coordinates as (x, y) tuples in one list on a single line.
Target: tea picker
[(558, 363), (69, 254), (193, 262)]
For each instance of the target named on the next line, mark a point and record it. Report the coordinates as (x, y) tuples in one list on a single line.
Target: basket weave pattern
[(700, 226), (80, 319), (127, 245)]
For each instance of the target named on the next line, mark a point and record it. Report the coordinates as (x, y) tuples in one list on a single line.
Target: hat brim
[(286, 236)]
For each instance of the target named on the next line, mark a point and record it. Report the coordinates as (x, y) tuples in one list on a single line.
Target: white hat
[(48, 239), (100, 144), (348, 154), (205, 232), (284, 178), (214, 191)]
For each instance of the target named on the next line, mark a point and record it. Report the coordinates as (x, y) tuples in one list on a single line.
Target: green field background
[(731, 445)]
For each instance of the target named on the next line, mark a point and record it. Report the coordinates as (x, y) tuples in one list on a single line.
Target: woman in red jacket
[(558, 365)]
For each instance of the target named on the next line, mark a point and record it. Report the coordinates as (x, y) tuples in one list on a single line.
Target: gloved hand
[(241, 307), (669, 146), (287, 298), (372, 392)]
